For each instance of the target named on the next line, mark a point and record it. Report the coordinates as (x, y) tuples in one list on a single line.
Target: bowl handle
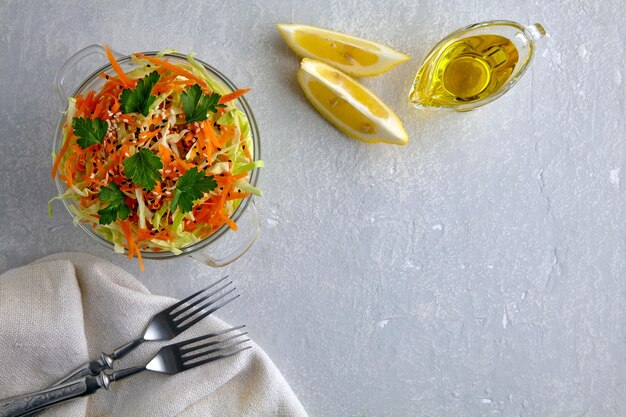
[(247, 233), (537, 31), (59, 78)]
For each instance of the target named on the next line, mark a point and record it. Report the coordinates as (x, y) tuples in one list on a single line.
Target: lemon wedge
[(352, 55), (348, 105)]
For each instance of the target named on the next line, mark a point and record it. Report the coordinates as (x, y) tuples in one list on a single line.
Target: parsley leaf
[(89, 132), (143, 168), (117, 207), (213, 101), (190, 187), (196, 105), (139, 100)]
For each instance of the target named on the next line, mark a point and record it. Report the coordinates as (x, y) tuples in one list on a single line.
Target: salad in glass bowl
[(157, 156)]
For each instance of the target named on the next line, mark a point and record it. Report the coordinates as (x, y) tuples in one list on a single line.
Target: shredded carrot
[(85, 103), (236, 196), (139, 258), (79, 100), (238, 176), (62, 151), (183, 82), (206, 138), (235, 94), (173, 68), (126, 227), (224, 195), (144, 137), (112, 82), (231, 224), (128, 118), (208, 131), (117, 68), (97, 111), (246, 152), (69, 171), (143, 234), (154, 120), (170, 84)]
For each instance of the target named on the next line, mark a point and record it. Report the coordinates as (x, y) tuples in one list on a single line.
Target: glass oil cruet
[(475, 65)]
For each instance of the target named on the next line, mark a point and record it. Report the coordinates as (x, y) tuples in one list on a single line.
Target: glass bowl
[(221, 247)]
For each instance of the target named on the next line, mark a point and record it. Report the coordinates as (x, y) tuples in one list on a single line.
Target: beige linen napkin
[(63, 310)]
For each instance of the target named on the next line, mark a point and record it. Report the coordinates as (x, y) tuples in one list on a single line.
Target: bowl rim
[(241, 103)]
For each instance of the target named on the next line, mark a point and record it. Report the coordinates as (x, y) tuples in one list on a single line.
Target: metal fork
[(171, 359), (165, 325)]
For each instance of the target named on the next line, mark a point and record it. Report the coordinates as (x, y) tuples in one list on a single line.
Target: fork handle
[(122, 351), (104, 362), (94, 367), (90, 368), (37, 401)]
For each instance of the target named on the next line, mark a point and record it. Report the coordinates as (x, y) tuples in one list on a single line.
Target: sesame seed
[(126, 154), (125, 120)]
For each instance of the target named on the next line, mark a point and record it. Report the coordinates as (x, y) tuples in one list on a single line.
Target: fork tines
[(216, 345), (197, 306)]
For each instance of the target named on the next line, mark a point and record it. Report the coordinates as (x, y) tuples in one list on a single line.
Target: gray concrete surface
[(477, 271)]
